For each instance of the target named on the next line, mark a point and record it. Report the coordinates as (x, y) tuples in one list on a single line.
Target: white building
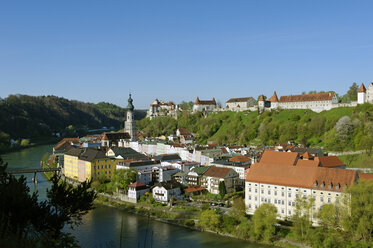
[(137, 189), (316, 102), (280, 177), (241, 104), (365, 95), (204, 105), (215, 175), (161, 108), (164, 191)]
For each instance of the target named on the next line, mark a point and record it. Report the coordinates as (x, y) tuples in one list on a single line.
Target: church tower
[(130, 123)]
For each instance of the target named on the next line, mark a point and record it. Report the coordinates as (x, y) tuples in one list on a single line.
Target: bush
[(189, 223)]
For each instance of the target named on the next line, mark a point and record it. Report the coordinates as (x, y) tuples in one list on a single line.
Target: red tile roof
[(183, 131), (219, 172), (273, 98), (239, 159), (330, 161), (136, 185), (308, 97), (194, 189), (261, 98), (307, 155), (362, 88), (278, 158), (302, 176), (205, 102)]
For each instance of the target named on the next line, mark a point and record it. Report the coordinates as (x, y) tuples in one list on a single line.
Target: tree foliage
[(302, 217), (222, 189), (39, 223), (264, 220), (210, 219), (123, 178)]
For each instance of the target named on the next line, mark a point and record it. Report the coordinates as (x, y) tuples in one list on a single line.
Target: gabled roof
[(137, 185), (86, 154), (330, 161), (273, 98), (362, 88), (201, 170), (239, 159), (241, 99), (302, 176), (278, 158), (65, 146), (219, 172), (328, 96), (75, 152), (66, 140), (261, 98), (205, 102)]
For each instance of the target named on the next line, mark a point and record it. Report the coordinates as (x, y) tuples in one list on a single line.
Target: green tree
[(358, 218), (222, 189), (210, 219), (238, 207), (366, 143), (352, 92), (329, 216), (302, 218), (123, 178), (264, 220), (33, 223)]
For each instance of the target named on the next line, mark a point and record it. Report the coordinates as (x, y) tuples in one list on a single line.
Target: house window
[(249, 189), (256, 190), (329, 200), (249, 197), (321, 198), (282, 211), (289, 212), (289, 203), (109, 166), (269, 192), (275, 201), (283, 203), (289, 194), (276, 192), (262, 191)]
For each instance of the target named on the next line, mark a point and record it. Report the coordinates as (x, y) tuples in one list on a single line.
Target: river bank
[(158, 215)]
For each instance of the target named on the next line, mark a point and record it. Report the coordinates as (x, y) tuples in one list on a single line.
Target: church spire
[(130, 105)]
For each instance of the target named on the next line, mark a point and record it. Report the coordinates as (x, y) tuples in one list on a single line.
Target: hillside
[(338, 129), (33, 117)]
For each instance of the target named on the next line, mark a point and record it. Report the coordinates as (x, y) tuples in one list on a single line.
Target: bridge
[(35, 171)]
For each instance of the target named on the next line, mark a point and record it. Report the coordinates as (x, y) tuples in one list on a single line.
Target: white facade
[(135, 194), (162, 194), (284, 198)]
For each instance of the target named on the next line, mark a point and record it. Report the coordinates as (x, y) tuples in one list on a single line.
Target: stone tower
[(130, 123)]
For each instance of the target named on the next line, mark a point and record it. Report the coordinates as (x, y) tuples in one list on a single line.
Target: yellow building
[(88, 164)]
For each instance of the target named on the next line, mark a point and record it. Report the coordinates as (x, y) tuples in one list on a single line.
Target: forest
[(37, 117)]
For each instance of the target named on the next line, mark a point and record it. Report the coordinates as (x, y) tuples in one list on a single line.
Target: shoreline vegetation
[(161, 216)]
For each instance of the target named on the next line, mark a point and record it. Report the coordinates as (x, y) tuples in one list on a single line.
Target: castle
[(316, 102), (161, 108)]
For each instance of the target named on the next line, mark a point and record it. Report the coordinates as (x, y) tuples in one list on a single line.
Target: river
[(101, 227)]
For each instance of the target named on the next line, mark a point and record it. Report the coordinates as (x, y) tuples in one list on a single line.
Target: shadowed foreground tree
[(27, 222)]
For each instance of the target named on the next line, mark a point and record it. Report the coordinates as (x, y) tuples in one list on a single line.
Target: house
[(115, 139), (137, 189), (163, 191), (279, 177), (215, 175), (64, 146), (241, 104), (204, 105), (180, 177), (331, 162), (182, 131), (138, 165), (239, 164), (316, 102), (84, 164), (145, 176), (194, 176)]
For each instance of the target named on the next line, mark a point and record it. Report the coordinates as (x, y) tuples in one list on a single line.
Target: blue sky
[(176, 50)]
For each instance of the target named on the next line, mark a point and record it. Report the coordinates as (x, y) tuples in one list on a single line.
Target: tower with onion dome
[(130, 123)]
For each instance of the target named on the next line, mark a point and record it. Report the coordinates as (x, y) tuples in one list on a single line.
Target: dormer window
[(315, 184), (338, 186), (323, 185)]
